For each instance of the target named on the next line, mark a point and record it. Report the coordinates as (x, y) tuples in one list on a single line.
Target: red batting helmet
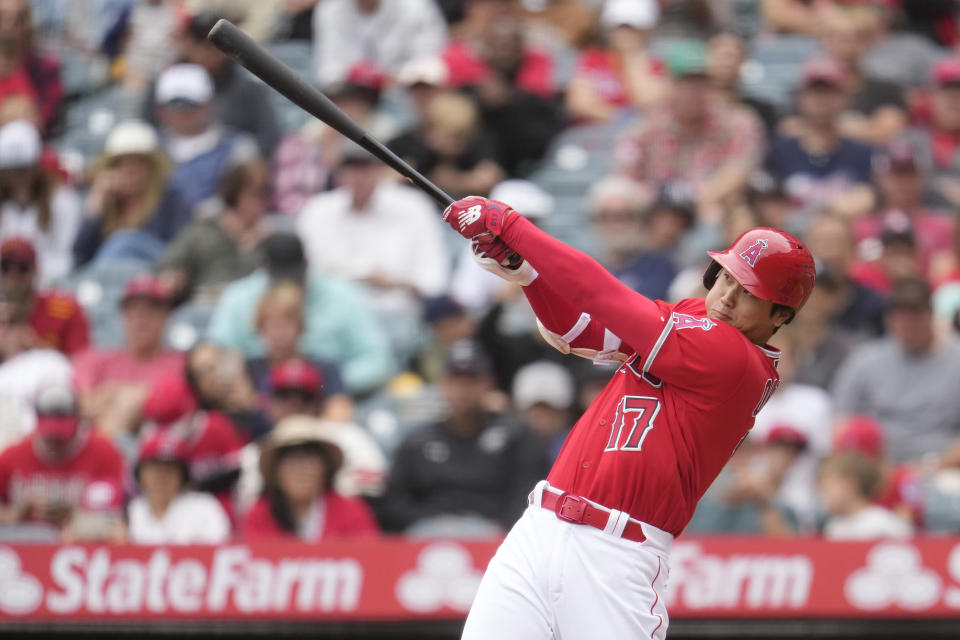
[(769, 263)]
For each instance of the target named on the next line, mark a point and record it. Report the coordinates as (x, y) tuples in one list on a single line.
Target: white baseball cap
[(639, 14), (427, 70), (543, 382), (20, 145), (186, 82), (527, 198), (131, 136)]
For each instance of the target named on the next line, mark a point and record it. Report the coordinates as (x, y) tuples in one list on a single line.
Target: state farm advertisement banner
[(395, 579)]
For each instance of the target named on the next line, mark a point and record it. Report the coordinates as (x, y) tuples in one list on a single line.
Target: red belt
[(578, 510)]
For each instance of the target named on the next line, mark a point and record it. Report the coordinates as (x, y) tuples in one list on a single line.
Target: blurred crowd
[(221, 320)]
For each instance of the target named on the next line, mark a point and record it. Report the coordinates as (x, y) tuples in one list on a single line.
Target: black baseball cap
[(467, 357), (284, 258), (910, 294)]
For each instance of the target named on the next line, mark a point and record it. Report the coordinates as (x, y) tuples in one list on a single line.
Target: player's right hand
[(493, 255), (476, 216)]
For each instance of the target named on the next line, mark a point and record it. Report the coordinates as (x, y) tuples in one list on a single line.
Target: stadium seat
[(187, 325)]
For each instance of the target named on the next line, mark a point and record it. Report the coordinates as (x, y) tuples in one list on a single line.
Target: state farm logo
[(894, 575), (444, 576), (20, 593)]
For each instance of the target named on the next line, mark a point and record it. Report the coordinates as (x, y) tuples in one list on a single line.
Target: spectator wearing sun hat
[(132, 209), (33, 201), (167, 511), (112, 384), (299, 463)]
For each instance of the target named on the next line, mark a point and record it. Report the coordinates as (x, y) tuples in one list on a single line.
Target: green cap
[(686, 58)]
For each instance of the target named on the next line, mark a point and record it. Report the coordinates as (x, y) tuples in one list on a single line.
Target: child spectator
[(848, 485), (299, 463), (166, 511)]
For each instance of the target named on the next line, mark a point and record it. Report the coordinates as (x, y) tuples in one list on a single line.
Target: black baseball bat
[(242, 48)]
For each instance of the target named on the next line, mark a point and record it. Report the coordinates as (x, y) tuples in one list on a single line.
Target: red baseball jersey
[(91, 477), (60, 322), (672, 415)]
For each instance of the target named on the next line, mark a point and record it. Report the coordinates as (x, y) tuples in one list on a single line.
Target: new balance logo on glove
[(468, 217)]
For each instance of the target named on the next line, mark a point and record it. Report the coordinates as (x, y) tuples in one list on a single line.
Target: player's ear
[(781, 315)]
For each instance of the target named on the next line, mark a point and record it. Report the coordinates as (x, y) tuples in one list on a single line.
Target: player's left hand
[(475, 216)]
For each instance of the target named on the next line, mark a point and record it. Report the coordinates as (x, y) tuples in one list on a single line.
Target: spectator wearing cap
[(543, 393), (448, 322), (57, 320), (907, 379), (112, 384), (167, 511), (200, 145), (212, 252), (25, 367), (386, 32), (877, 110), (280, 325), (620, 73), (898, 257), (28, 71), (726, 53), (304, 162), (33, 202), (848, 485), (64, 473), (471, 285), (512, 81), (767, 197), (450, 148), (132, 209), (299, 463), (702, 141), (937, 141), (422, 79), (382, 233), (469, 473), (240, 101), (819, 166), (901, 485), (339, 326)]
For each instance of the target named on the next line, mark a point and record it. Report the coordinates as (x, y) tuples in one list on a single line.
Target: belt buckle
[(573, 513)]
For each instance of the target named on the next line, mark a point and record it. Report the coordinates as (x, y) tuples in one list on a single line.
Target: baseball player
[(588, 558)]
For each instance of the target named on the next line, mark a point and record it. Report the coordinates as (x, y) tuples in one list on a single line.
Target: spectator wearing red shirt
[(299, 463), (64, 473), (56, 318), (112, 384), (23, 69), (620, 74)]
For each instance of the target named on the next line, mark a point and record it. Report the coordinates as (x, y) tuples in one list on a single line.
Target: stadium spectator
[(877, 110), (339, 325), (900, 177), (167, 511), (898, 256), (915, 356), (386, 32), (212, 252), (543, 393), (200, 145), (151, 27), (256, 19), (513, 84), (726, 53), (24, 69), (422, 79), (280, 325), (448, 322), (299, 464), (820, 167), (472, 286), (304, 162), (132, 209), (621, 73), (937, 141), (468, 474), (859, 308), (57, 320), (450, 148), (767, 197), (383, 234), (848, 484), (64, 474), (701, 141), (112, 384), (33, 202), (795, 16), (898, 55), (24, 369)]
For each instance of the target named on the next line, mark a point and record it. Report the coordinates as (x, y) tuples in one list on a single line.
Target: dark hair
[(280, 506), (237, 178), (782, 307), (863, 471), (43, 184)]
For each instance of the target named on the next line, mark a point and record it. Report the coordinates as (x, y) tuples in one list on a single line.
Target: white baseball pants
[(553, 580)]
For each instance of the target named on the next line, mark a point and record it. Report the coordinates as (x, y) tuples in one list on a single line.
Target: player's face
[(729, 302)]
